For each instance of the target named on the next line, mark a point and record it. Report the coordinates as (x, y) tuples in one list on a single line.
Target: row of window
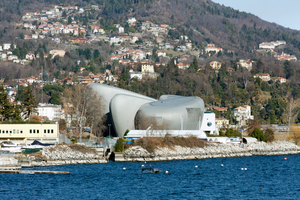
[(12, 131), (38, 131), (17, 131)]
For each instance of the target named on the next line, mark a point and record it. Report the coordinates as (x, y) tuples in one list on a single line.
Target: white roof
[(162, 133)]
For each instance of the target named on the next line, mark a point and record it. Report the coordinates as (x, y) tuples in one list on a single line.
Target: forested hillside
[(201, 21)]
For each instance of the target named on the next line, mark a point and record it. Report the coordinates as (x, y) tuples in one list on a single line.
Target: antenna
[(42, 85)]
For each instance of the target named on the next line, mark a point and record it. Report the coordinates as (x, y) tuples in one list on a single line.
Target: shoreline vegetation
[(158, 149)]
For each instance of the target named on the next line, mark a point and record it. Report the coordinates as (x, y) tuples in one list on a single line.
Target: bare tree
[(84, 108)]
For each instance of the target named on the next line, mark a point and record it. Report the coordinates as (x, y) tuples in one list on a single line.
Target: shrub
[(270, 134), (259, 135), (119, 146), (232, 133)]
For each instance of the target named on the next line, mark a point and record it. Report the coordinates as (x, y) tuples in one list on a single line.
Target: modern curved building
[(126, 109)]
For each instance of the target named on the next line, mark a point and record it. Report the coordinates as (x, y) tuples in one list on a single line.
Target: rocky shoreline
[(62, 155), (211, 151)]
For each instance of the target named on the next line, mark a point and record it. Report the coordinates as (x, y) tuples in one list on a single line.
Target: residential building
[(264, 77), (51, 111), (138, 75), (121, 29), (131, 20), (211, 47), (242, 114), (285, 56), (215, 65), (220, 109), (280, 80), (246, 64), (222, 122), (60, 53), (147, 68)]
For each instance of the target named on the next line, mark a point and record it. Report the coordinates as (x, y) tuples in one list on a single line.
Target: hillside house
[(242, 114), (215, 65), (147, 68), (245, 64), (264, 77), (212, 47), (280, 80)]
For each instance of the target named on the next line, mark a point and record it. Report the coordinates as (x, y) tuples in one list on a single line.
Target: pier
[(32, 172)]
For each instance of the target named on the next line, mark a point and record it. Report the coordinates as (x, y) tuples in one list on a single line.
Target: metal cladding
[(178, 112)]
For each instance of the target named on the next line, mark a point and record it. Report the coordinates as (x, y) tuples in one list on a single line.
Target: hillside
[(171, 35)]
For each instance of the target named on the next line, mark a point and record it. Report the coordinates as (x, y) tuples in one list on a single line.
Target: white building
[(280, 79), (137, 75), (246, 64), (53, 112), (242, 114), (131, 20), (121, 29), (208, 125), (113, 40)]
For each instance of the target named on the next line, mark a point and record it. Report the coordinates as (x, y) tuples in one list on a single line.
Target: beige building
[(27, 133), (222, 122), (147, 68), (215, 65), (60, 53)]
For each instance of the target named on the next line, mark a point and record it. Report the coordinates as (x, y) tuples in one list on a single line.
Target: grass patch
[(152, 143), (82, 148)]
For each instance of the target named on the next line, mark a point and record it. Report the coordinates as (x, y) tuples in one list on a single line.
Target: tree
[(295, 134), (85, 108), (6, 107), (259, 135), (29, 103), (270, 134), (119, 146)]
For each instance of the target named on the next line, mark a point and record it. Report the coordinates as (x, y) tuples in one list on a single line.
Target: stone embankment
[(64, 155), (211, 151)]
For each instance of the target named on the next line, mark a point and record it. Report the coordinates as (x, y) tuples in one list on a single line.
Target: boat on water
[(10, 146), (150, 170)]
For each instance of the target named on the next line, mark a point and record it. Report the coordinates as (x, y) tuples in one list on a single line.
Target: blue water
[(266, 177)]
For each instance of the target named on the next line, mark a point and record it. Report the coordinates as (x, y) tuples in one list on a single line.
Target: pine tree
[(29, 103), (6, 107)]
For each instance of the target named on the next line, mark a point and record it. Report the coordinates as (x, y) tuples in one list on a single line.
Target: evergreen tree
[(29, 103), (6, 108)]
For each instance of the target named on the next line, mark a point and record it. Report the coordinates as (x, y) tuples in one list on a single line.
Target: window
[(0, 130), (45, 131), (48, 130), (10, 131), (3, 131), (33, 130), (14, 130), (21, 131), (51, 130), (38, 131), (18, 131), (30, 131), (6, 131)]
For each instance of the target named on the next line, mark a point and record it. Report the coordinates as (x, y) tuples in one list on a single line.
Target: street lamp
[(109, 129)]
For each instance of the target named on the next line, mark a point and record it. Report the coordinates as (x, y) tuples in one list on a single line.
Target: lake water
[(266, 177)]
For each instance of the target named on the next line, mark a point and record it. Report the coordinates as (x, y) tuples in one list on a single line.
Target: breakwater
[(212, 150), (63, 155)]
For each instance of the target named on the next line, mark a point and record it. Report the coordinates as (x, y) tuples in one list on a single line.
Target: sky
[(283, 12)]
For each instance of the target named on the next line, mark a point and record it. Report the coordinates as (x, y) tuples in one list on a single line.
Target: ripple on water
[(267, 177)]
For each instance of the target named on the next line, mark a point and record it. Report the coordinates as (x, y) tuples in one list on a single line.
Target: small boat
[(150, 170), (10, 147)]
